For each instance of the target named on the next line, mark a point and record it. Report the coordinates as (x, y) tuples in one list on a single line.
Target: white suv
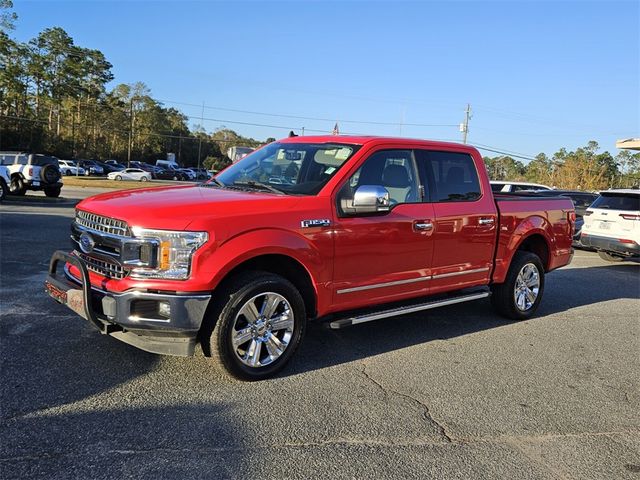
[(4, 182), (29, 171), (69, 167), (612, 225)]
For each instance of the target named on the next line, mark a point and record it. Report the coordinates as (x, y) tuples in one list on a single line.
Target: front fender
[(272, 241)]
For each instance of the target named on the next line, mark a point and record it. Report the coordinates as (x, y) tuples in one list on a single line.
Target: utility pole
[(200, 141), (130, 132), (303, 131), (464, 127)]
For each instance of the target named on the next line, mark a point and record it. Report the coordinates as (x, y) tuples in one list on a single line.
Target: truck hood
[(174, 208)]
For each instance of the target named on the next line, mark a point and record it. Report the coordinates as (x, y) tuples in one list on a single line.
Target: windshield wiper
[(213, 183), (258, 186)]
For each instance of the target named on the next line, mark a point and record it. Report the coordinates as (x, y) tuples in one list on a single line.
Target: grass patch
[(90, 182)]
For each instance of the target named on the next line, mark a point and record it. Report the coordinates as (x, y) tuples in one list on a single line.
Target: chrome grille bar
[(101, 267), (102, 224)]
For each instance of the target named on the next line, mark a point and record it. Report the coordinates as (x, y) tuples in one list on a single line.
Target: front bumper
[(610, 245), (133, 316)]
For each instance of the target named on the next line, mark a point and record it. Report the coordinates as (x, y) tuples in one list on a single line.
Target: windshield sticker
[(330, 170), (280, 154)]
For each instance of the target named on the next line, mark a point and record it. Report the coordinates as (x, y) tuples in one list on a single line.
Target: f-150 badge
[(315, 223)]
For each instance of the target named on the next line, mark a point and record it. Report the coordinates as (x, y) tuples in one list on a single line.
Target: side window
[(22, 159), (392, 169), (451, 175)]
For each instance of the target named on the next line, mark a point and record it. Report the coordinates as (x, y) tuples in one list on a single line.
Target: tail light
[(628, 216), (624, 240), (31, 171), (571, 216)]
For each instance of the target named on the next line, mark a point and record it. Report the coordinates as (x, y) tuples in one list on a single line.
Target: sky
[(539, 75)]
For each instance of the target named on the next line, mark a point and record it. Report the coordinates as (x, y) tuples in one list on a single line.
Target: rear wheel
[(610, 257), (17, 186), (53, 192), (255, 325), (143, 179), (519, 296)]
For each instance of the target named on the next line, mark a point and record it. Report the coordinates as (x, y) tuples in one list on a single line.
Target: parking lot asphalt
[(450, 393)]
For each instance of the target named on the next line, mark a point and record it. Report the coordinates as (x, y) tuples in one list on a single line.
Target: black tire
[(17, 186), (503, 296), (220, 320), (118, 177), (144, 179), (67, 173), (175, 178), (53, 192), (4, 189), (609, 257)]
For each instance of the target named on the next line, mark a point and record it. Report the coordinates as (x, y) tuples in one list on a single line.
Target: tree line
[(54, 99)]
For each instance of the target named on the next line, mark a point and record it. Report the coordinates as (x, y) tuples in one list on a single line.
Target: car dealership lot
[(450, 393)]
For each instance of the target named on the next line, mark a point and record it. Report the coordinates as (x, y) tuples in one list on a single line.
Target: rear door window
[(618, 201), (451, 176)]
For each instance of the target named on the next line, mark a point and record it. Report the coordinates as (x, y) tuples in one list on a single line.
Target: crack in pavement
[(426, 412)]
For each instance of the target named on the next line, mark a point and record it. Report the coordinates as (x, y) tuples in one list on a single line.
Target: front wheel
[(118, 177), (255, 325), (519, 296), (609, 257), (4, 189)]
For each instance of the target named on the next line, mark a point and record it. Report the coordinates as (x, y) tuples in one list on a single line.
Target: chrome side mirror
[(371, 198)]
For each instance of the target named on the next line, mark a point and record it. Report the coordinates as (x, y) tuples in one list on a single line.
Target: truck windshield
[(294, 168)]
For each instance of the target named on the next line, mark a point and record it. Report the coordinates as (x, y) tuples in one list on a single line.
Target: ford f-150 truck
[(341, 229)]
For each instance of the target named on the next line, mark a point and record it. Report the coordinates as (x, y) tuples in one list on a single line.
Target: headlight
[(175, 251)]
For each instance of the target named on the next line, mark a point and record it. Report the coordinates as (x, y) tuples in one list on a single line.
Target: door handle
[(486, 221), (423, 226)]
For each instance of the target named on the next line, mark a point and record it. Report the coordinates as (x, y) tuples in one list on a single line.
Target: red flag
[(336, 130)]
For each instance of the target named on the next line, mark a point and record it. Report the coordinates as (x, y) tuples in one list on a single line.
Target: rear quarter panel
[(522, 218)]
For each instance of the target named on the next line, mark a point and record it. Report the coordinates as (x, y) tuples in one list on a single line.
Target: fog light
[(164, 309)]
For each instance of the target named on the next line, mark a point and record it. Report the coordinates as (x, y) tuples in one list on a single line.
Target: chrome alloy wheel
[(262, 329), (527, 287)]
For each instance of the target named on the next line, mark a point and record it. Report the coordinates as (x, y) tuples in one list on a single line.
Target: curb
[(25, 200)]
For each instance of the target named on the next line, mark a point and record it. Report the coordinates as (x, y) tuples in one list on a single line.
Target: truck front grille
[(102, 267), (102, 224)]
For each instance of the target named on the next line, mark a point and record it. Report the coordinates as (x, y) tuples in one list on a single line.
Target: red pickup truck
[(341, 229)]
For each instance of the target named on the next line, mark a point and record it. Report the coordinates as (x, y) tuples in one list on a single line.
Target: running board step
[(369, 317)]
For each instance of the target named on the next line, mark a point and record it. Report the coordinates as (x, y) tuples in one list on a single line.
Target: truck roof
[(365, 139)]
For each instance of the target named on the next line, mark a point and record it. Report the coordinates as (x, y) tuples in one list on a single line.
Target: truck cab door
[(465, 222), (383, 256)]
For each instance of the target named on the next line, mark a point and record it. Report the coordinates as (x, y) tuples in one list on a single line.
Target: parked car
[(30, 171), (5, 180), (612, 225), (511, 187), (166, 174), (107, 168), (91, 167), (130, 174), (69, 167), (581, 201), (201, 173), (189, 174), (371, 228)]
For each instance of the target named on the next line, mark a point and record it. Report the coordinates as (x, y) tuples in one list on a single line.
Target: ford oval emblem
[(86, 243)]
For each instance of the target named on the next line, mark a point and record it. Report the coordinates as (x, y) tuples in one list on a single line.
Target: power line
[(320, 119)]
